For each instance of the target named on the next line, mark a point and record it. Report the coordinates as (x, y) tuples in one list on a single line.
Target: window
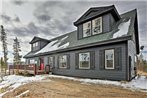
[(32, 61), (84, 60), (94, 26), (35, 46), (63, 61), (51, 61), (109, 59), (97, 26), (87, 29)]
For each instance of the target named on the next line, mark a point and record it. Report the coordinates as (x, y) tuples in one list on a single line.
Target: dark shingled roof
[(97, 11), (35, 39), (97, 39)]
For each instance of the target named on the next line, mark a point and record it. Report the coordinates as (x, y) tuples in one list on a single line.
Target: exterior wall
[(132, 54), (106, 23), (96, 72), (42, 44), (112, 23)]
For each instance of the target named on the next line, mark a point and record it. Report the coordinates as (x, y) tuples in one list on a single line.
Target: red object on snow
[(42, 66)]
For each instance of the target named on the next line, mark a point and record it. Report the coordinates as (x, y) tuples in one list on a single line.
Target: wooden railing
[(32, 69)]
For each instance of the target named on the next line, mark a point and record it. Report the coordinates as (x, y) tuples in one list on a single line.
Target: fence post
[(9, 70), (13, 69), (35, 69)]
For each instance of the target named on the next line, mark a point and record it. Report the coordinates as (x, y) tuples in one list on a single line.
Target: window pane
[(87, 29), (109, 59), (51, 61), (63, 61), (97, 25), (36, 43), (109, 63), (33, 44), (84, 60)]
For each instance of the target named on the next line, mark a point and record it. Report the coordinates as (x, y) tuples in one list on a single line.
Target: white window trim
[(101, 23), (60, 63), (113, 60), (90, 29), (89, 62)]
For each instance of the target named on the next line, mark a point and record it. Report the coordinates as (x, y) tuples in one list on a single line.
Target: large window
[(63, 61), (84, 60), (92, 27), (109, 59), (97, 26), (87, 29)]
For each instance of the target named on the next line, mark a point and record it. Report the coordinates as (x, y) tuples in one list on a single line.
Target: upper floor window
[(87, 29), (84, 60), (35, 46), (97, 26), (109, 59), (63, 61), (92, 27)]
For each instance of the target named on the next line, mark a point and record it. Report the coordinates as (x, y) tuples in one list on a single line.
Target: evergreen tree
[(4, 46), (1, 67), (16, 49)]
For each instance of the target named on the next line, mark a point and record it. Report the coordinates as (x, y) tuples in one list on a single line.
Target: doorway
[(41, 63)]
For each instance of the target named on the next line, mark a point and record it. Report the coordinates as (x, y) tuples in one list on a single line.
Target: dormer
[(96, 20), (38, 43)]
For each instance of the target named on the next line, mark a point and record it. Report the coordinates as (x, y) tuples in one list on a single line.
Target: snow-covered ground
[(138, 83), (14, 81)]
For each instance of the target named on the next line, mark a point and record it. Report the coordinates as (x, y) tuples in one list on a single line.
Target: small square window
[(36, 44), (109, 59), (87, 29), (84, 60), (63, 61)]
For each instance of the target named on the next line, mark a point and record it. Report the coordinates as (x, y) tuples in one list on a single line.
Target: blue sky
[(48, 18)]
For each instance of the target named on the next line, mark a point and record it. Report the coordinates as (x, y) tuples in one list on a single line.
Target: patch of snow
[(139, 83), (64, 38), (123, 29), (52, 46), (64, 46), (14, 81), (19, 96)]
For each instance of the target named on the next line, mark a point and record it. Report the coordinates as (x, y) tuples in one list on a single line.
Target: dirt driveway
[(62, 88)]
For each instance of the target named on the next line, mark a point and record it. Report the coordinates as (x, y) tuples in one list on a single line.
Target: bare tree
[(4, 45)]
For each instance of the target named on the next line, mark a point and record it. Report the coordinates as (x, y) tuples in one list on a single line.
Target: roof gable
[(97, 11), (35, 39)]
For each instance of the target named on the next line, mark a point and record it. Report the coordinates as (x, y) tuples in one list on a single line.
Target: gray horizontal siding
[(96, 72), (92, 73)]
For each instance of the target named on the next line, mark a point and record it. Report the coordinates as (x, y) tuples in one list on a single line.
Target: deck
[(31, 69)]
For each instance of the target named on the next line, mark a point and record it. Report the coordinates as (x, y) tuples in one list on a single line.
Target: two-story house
[(103, 46)]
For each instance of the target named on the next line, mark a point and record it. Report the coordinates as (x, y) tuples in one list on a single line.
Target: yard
[(68, 87)]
